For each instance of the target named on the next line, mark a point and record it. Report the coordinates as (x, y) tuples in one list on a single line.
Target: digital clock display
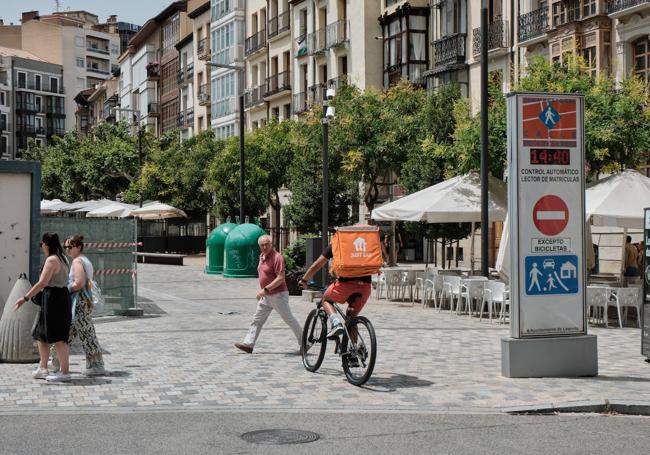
[(550, 156)]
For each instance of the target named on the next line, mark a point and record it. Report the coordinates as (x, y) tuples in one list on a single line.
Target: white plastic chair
[(612, 300), (451, 290), (470, 291), (394, 283), (493, 294), (629, 297), (380, 284), (505, 308), (409, 281), (597, 302), (434, 288)]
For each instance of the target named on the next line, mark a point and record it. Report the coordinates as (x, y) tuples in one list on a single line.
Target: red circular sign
[(550, 215)]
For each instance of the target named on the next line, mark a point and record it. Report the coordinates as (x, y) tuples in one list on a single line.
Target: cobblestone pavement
[(182, 355)]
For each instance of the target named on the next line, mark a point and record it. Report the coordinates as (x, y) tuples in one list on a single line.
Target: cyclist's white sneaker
[(335, 331)]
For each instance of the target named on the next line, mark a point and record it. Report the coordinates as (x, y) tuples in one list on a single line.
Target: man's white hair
[(264, 237)]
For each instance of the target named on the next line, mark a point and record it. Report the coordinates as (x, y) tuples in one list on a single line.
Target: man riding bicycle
[(354, 291)]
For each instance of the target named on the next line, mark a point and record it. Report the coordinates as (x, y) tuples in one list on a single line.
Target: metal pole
[(484, 141), (140, 161), (325, 184), (241, 153)]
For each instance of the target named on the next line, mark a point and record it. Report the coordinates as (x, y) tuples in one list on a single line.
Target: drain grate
[(280, 437)]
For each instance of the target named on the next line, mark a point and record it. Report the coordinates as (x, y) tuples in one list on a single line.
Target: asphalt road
[(219, 432)]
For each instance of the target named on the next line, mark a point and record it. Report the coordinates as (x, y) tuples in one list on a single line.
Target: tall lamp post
[(484, 139), (328, 114), (240, 70)]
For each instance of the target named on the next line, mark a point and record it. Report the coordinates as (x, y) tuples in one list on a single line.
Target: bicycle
[(357, 347)]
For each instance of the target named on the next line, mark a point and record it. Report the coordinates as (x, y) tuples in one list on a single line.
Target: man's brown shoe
[(244, 347)]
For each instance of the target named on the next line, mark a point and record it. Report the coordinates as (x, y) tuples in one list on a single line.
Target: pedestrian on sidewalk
[(53, 323), (81, 272), (273, 295)]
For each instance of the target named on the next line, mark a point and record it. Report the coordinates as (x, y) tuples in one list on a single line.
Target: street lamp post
[(328, 114), (240, 69), (484, 139)]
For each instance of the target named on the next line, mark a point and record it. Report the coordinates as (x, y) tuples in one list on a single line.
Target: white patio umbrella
[(457, 200), (92, 205), (55, 205), (618, 200), (158, 211), (115, 210)]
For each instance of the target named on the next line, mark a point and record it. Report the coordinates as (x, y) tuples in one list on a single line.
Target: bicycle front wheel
[(359, 351), (314, 340)]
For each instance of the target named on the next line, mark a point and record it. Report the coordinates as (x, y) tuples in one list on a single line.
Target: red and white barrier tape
[(107, 245), (115, 272)]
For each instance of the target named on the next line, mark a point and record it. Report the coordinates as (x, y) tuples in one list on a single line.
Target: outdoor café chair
[(597, 303), (450, 290), (492, 294), (471, 290), (629, 297)]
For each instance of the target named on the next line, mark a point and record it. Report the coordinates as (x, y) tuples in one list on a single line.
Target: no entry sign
[(546, 213), (550, 215)]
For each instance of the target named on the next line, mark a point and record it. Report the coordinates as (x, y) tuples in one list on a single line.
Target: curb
[(626, 407)]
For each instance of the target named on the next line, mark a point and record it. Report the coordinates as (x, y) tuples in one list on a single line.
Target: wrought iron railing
[(203, 49), (497, 36), (254, 96), (316, 92), (614, 6), (337, 82), (277, 83), (533, 24), (255, 42), (279, 24), (204, 94), (337, 33), (153, 108), (316, 41), (449, 50)]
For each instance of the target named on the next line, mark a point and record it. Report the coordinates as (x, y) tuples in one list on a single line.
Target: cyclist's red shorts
[(354, 293)]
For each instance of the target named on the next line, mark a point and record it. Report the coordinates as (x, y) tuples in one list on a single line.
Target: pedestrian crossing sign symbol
[(547, 275), (549, 116)]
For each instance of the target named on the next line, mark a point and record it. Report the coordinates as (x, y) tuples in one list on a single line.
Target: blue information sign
[(546, 275)]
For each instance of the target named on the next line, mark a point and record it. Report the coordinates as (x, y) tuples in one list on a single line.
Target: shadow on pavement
[(604, 377), (395, 382)]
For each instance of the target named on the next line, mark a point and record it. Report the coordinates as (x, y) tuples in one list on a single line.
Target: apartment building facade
[(73, 40), (186, 85), (32, 104), (97, 105), (200, 16), (227, 30)]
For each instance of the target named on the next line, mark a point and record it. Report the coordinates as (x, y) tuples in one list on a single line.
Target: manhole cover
[(280, 437)]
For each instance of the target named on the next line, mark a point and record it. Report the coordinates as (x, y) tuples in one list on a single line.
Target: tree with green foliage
[(306, 180), (176, 171), (100, 165)]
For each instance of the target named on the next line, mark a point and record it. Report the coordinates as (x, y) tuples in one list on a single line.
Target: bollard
[(16, 343)]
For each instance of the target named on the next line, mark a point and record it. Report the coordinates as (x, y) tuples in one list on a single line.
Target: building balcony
[(337, 82), (317, 42), (278, 24), (55, 132), (302, 44), (58, 90), (97, 69), (26, 107), (617, 8), (278, 83), (25, 130), (229, 56), (224, 8), (254, 96), (203, 49), (185, 74), (153, 109), (337, 33), (299, 103), (40, 131), (316, 93), (255, 42), (448, 52), (225, 106), (5, 126), (153, 71), (497, 37), (189, 71), (98, 48), (204, 95), (569, 12), (533, 24)]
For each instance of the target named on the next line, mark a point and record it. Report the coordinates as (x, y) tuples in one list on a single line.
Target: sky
[(133, 11)]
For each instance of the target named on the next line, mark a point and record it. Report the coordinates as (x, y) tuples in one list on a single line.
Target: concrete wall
[(10, 36)]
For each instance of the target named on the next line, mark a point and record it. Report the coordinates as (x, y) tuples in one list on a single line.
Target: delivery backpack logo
[(356, 251)]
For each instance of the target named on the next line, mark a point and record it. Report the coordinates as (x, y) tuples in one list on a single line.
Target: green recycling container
[(242, 251), (214, 248)]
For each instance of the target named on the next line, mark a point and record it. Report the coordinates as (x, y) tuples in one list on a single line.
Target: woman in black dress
[(53, 326)]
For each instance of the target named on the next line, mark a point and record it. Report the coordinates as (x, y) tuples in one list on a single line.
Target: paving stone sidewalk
[(182, 356)]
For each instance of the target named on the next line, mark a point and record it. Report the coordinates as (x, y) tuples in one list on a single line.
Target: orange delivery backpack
[(356, 251)]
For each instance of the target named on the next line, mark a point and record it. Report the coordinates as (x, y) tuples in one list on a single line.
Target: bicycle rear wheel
[(314, 340), (360, 351)]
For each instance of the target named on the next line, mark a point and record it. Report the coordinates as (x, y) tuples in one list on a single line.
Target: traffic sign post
[(547, 222)]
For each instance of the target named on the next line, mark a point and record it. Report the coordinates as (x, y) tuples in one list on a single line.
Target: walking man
[(273, 295)]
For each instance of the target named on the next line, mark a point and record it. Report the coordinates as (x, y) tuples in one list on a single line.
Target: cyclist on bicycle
[(353, 291)]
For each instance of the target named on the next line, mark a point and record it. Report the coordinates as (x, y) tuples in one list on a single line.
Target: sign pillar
[(546, 186), (645, 274)]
